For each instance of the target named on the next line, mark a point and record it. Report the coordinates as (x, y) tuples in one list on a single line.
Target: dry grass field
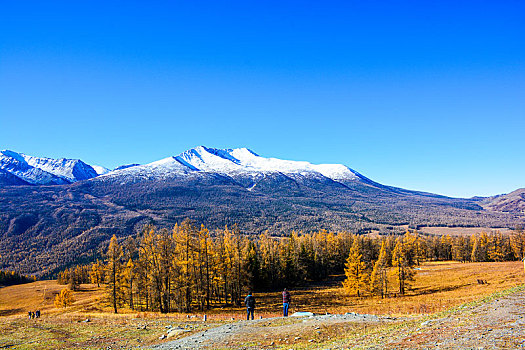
[(438, 286), (41, 295), (460, 231)]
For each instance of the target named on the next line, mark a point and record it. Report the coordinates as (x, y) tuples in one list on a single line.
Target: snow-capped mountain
[(216, 187), (234, 163), (230, 162), (45, 171), (164, 168), (100, 170)]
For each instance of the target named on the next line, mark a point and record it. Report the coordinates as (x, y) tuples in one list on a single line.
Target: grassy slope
[(438, 287)]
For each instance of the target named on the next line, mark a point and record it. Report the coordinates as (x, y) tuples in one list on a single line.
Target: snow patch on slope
[(159, 169), (209, 159), (100, 170), (243, 160)]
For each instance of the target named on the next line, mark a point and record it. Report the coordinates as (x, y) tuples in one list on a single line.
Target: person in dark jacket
[(287, 298), (250, 305)]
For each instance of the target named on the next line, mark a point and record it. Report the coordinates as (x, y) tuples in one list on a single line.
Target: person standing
[(250, 305), (287, 298)]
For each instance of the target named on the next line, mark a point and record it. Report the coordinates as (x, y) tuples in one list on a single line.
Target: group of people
[(250, 303), (33, 314)]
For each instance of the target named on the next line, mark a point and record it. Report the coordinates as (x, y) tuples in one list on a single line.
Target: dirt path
[(494, 323), (271, 332)]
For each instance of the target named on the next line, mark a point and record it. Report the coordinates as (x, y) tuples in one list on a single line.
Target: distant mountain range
[(43, 171), (231, 162), (54, 212)]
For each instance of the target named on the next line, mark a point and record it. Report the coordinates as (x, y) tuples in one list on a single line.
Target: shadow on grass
[(10, 312), (421, 291)]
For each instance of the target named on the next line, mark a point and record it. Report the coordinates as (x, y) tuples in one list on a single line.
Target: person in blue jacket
[(250, 305)]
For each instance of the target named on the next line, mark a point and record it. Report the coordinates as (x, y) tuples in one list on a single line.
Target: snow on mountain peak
[(12, 154), (229, 162), (243, 160), (209, 159), (40, 170), (69, 169)]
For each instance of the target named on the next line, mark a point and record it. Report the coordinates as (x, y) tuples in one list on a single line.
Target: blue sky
[(426, 96)]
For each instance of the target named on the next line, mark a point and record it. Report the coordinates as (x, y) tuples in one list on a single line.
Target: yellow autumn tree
[(184, 263), (461, 249), (97, 273), (114, 269), (480, 247), (128, 276), (517, 242), (403, 266), (64, 298), (379, 276), (205, 252), (268, 259), (355, 271)]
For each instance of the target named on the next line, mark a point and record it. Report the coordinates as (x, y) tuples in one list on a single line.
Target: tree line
[(399, 255), (188, 268), (9, 278)]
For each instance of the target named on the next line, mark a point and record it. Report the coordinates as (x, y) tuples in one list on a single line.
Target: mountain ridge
[(242, 160), (233, 161), (45, 171), (45, 227)]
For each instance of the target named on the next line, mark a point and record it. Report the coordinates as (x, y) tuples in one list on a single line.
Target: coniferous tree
[(114, 269), (379, 276), (403, 267), (476, 254), (517, 242), (128, 280), (97, 273), (355, 271), (64, 298), (205, 254), (73, 279)]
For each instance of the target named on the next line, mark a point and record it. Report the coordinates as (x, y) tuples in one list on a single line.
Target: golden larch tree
[(379, 276), (97, 273), (403, 266), (64, 298), (355, 271), (114, 269)]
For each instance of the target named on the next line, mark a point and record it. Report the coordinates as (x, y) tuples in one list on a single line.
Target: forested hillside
[(45, 228)]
